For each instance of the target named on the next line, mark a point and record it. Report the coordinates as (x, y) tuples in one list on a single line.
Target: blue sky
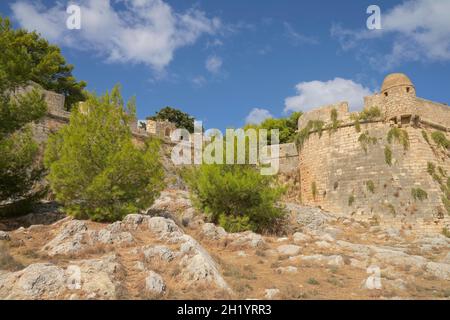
[(219, 60)]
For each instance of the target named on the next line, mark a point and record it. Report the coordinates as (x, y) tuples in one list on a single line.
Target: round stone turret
[(399, 95), (397, 83)]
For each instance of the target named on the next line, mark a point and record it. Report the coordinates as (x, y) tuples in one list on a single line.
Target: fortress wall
[(396, 105), (339, 168), (288, 157), (434, 112), (324, 114), (375, 100)]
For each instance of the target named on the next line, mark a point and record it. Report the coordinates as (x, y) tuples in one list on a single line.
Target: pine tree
[(95, 170), (20, 168)]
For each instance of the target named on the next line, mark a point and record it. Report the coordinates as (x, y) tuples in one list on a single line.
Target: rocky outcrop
[(289, 249), (70, 239), (244, 239), (37, 281), (154, 284), (86, 279), (4, 236)]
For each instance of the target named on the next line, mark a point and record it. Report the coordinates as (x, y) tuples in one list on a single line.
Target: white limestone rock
[(289, 249), (154, 283)]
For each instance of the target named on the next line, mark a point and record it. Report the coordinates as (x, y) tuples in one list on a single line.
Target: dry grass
[(248, 276)]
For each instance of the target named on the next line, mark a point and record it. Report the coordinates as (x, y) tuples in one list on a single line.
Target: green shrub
[(313, 281), (237, 197), (446, 202), (314, 189), (370, 186), (95, 170), (311, 126), (391, 208), (356, 120), (437, 178), (400, 136), (235, 224), (440, 139), (446, 232), (431, 168), (365, 140), (370, 113), (367, 114), (388, 155), (425, 136), (419, 194), (334, 121), (287, 127), (351, 200)]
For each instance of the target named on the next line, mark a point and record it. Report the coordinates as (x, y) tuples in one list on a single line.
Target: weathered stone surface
[(333, 260), (210, 231), (397, 258), (288, 269), (4, 236), (98, 277), (301, 237), (248, 238), (311, 218), (165, 228), (69, 240), (158, 252), (436, 240), (154, 283), (134, 221), (289, 249), (112, 234), (202, 268), (323, 244), (446, 258), (37, 281), (358, 263), (440, 270), (327, 237), (271, 293)]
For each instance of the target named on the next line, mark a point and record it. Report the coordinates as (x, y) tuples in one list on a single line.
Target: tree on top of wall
[(27, 57), (179, 118)]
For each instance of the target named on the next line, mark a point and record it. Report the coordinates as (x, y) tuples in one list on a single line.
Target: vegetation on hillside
[(181, 119), (95, 170), (20, 168), (287, 127), (237, 197), (27, 57)]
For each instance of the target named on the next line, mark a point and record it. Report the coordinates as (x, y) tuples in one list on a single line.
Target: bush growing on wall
[(95, 170), (237, 197)]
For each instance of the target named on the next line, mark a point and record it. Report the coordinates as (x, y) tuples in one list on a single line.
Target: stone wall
[(335, 172), (57, 117), (323, 114)]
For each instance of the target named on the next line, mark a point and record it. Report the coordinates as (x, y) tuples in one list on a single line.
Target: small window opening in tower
[(407, 90), (405, 120), (385, 94)]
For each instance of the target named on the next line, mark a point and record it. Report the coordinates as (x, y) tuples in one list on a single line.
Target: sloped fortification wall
[(55, 118), (336, 174)]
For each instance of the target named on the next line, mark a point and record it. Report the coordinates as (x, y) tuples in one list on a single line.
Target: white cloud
[(419, 29), (298, 38), (315, 94), (198, 81), (213, 64), (256, 116), (142, 31)]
